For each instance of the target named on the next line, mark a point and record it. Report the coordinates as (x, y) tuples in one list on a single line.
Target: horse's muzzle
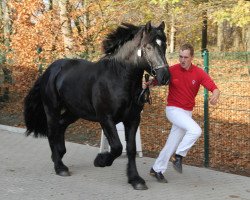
[(163, 75)]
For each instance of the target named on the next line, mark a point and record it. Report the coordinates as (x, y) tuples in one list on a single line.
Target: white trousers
[(184, 133)]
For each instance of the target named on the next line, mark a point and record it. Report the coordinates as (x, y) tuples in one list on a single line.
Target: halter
[(153, 70), (156, 68), (145, 96)]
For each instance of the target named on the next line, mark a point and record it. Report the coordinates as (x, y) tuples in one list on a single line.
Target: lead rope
[(145, 96)]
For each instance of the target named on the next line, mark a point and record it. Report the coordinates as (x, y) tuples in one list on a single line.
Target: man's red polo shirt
[(184, 85)]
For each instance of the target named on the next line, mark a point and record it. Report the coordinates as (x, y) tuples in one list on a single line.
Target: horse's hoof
[(63, 173), (140, 186), (99, 162), (103, 160)]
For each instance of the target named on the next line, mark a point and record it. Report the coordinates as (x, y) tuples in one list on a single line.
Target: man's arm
[(214, 97)]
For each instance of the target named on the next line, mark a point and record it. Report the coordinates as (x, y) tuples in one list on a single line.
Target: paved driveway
[(26, 173)]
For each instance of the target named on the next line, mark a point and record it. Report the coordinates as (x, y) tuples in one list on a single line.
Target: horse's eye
[(159, 42)]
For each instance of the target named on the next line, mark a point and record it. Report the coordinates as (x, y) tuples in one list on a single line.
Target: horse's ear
[(148, 27), (162, 26)]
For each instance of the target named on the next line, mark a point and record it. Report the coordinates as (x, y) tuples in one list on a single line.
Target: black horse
[(105, 91)]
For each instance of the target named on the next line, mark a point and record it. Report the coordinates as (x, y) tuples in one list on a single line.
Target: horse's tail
[(34, 114)]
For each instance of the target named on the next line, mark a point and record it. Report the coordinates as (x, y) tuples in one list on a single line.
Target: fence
[(228, 145), (229, 129)]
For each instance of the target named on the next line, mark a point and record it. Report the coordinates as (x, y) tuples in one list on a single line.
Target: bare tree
[(86, 21), (82, 23), (220, 38), (246, 39), (66, 27), (6, 39), (172, 34), (50, 4), (237, 38), (6, 22), (1, 22)]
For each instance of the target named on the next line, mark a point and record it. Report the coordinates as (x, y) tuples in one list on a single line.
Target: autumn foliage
[(36, 39)]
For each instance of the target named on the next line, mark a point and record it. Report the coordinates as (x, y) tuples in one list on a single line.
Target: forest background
[(34, 33)]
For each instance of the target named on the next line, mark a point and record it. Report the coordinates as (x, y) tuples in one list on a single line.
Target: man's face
[(185, 59)]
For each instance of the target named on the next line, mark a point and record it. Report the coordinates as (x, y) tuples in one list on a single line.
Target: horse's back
[(73, 81), (67, 63)]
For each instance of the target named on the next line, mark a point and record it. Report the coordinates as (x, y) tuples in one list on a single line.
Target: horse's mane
[(118, 37)]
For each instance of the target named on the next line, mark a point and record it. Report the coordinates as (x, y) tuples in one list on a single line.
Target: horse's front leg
[(110, 131), (133, 177)]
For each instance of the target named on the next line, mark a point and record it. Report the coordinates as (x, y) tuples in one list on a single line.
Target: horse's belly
[(82, 110), (79, 105)]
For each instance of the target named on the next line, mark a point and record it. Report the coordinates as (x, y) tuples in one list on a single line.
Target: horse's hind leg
[(56, 130), (107, 158)]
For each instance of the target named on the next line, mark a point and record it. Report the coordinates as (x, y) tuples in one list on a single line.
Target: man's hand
[(146, 84), (150, 83), (215, 97)]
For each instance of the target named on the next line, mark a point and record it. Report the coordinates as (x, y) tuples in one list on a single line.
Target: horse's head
[(152, 51), (150, 42)]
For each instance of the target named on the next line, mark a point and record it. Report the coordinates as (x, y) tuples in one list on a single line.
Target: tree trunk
[(220, 38), (82, 23), (54, 7), (204, 31), (66, 28), (86, 22), (172, 34), (51, 4), (166, 13), (54, 4), (6, 37), (237, 38), (167, 42), (6, 23), (78, 26), (246, 39), (1, 23)]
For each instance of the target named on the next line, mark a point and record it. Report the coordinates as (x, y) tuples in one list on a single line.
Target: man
[(184, 85)]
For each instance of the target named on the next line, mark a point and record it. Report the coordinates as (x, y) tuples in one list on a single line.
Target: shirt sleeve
[(207, 82)]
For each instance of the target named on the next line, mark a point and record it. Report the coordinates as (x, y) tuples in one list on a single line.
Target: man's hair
[(188, 47)]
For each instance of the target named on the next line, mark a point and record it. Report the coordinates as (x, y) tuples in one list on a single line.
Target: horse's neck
[(129, 59), (127, 63), (126, 69), (128, 53)]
